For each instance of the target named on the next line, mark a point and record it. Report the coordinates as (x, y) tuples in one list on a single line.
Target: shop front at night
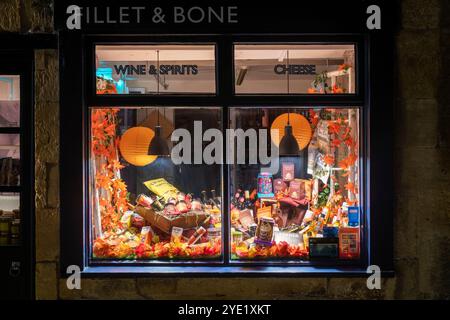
[(209, 150)]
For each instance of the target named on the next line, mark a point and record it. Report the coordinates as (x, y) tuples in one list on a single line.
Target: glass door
[(16, 177)]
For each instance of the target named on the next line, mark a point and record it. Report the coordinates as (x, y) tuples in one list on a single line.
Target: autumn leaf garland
[(113, 200)]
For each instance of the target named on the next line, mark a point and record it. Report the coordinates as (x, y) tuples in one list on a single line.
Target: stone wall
[(422, 184)]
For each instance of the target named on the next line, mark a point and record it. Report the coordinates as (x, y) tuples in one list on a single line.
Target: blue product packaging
[(330, 232), (353, 216)]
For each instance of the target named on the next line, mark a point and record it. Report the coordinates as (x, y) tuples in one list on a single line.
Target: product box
[(349, 243), (323, 248)]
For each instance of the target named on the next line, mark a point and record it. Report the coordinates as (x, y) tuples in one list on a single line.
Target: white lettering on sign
[(374, 20)]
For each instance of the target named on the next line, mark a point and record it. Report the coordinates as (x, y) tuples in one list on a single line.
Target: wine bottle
[(241, 204), (205, 199), (213, 199), (235, 200), (158, 204), (217, 199), (248, 204)]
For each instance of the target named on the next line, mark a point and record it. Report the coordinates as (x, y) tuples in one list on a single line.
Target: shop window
[(9, 159), (123, 69), (285, 183), (9, 219), (305, 206), (143, 205), (9, 101), (10, 225), (312, 69)]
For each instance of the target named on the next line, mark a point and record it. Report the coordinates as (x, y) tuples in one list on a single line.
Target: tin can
[(264, 232), (265, 186)]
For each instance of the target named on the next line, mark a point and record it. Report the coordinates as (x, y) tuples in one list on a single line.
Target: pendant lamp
[(288, 144), (158, 146)]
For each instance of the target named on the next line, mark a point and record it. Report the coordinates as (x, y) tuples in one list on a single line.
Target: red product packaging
[(349, 244)]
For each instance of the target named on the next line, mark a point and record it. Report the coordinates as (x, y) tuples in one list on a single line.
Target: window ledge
[(226, 271)]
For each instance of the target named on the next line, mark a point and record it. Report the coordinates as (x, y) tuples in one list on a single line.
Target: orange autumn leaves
[(278, 250), (112, 190), (341, 135)]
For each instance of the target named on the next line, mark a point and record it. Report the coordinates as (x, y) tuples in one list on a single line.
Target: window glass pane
[(9, 101), (9, 219), (136, 69), (305, 204), (143, 205), (9, 159), (294, 69)]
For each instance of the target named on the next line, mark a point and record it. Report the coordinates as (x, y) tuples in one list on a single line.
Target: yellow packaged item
[(161, 188)]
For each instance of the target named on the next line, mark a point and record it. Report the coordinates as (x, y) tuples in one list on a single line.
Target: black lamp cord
[(157, 79), (287, 82)]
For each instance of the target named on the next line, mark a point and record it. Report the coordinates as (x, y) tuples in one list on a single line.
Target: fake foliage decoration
[(320, 83)]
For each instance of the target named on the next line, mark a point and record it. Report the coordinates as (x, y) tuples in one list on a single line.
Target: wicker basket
[(191, 219)]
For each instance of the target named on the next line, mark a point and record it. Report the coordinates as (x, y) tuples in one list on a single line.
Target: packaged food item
[(235, 213), (292, 238), (264, 212), (147, 235), (181, 196), (265, 186), (162, 188), (214, 234), (144, 201), (237, 237), (312, 152), (264, 232), (125, 220), (176, 234), (307, 188), (279, 185), (181, 206), (172, 200), (306, 236), (170, 209), (325, 248), (295, 189), (287, 171), (196, 205), (136, 221), (196, 235), (246, 218), (252, 229), (330, 232), (353, 216), (349, 243)]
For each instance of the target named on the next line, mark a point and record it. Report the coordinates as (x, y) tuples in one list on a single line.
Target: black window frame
[(76, 52)]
